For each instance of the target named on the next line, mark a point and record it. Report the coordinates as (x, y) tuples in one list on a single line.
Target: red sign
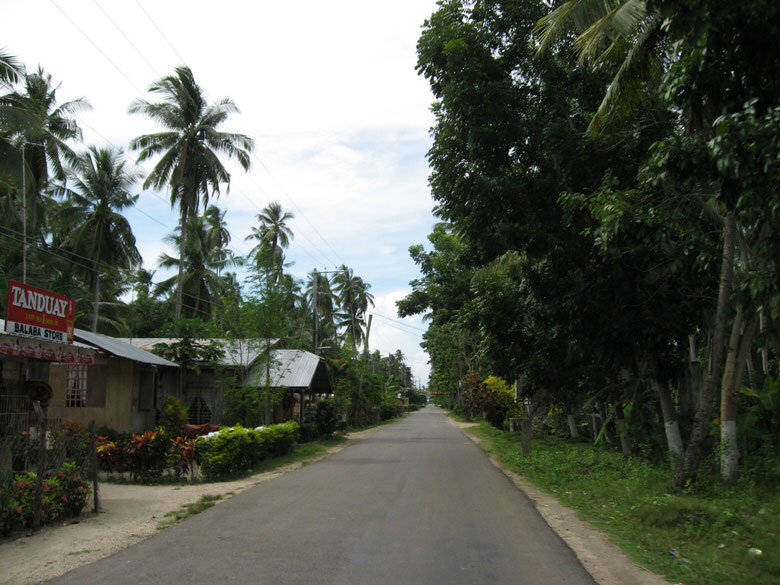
[(35, 312)]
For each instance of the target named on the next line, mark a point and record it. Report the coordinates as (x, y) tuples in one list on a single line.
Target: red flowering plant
[(108, 454), (147, 455), (182, 456), (63, 494), (74, 489)]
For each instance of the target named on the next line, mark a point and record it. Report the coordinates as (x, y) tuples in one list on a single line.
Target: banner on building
[(42, 314)]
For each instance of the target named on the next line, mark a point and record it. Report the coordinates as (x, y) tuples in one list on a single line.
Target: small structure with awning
[(301, 373)]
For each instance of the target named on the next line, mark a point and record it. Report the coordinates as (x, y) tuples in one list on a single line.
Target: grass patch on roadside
[(712, 527), (188, 510)]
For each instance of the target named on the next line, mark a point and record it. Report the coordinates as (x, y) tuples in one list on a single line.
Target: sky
[(327, 90)]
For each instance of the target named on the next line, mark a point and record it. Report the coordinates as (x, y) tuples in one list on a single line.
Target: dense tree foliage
[(607, 175)]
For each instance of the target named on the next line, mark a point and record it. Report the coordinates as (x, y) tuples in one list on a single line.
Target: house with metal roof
[(119, 390), (302, 374)]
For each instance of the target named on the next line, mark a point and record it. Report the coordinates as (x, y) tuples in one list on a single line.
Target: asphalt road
[(415, 503)]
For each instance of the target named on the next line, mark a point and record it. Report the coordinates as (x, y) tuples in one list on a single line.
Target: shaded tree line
[(605, 175)]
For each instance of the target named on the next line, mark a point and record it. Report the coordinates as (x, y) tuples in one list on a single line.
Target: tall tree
[(99, 193), (274, 234), (354, 298), (44, 134), (189, 149), (204, 259)]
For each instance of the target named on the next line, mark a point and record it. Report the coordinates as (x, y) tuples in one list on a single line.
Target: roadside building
[(119, 390), (302, 375)]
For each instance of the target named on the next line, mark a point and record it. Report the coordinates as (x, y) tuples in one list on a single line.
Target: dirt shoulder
[(129, 513), (607, 564)]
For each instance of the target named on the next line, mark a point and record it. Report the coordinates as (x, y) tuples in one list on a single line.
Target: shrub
[(235, 449), (147, 455), (388, 411), (63, 495), (174, 416), (326, 419)]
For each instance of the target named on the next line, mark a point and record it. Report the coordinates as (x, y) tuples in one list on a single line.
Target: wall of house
[(202, 392), (112, 390)]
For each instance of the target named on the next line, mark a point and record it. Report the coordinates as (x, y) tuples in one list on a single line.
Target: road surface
[(415, 503)]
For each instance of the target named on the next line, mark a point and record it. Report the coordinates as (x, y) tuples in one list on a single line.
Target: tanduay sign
[(35, 312)]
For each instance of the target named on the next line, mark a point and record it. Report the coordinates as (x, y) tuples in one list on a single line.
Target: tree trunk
[(267, 417), (738, 349), (671, 425), (622, 426), (182, 244), (605, 425), (764, 350), (525, 430), (572, 426), (689, 464)]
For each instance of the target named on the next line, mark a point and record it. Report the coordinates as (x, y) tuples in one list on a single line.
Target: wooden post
[(525, 428), (40, 466), (94, 460)]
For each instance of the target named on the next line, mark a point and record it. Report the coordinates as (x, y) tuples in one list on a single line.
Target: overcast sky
[(328, 91)]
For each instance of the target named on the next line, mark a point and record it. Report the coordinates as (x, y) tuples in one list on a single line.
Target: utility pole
[(315, 301), (24, 219)]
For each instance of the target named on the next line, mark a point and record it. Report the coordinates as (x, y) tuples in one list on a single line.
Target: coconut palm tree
[(354, 299), (618, 31), (10, 69), (41, 129), (204, 259), (100, 234), (274, 235), (189, 149)]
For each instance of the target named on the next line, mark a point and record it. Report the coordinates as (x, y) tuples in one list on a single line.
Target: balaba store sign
[(35, 312)]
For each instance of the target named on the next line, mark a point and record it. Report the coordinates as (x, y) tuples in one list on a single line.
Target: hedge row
[(235, 449)]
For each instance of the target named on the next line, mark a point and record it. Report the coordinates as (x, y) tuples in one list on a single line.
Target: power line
[(122, 73), (141, 94), (137, 50), (397, 321), (253, 154)]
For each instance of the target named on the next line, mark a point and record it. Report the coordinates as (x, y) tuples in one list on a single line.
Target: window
[(76, 396)]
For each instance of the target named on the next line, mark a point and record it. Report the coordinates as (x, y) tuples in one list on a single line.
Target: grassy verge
[(188, 510), (708, 535)]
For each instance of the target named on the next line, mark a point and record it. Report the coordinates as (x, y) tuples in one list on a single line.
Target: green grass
[(188, 510), (712, 526)]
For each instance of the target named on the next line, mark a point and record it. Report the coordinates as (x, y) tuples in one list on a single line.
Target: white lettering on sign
[(35, 301)]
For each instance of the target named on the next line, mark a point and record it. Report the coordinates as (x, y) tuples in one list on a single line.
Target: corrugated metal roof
[(120, 348), (293, 368), (237, 352)]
